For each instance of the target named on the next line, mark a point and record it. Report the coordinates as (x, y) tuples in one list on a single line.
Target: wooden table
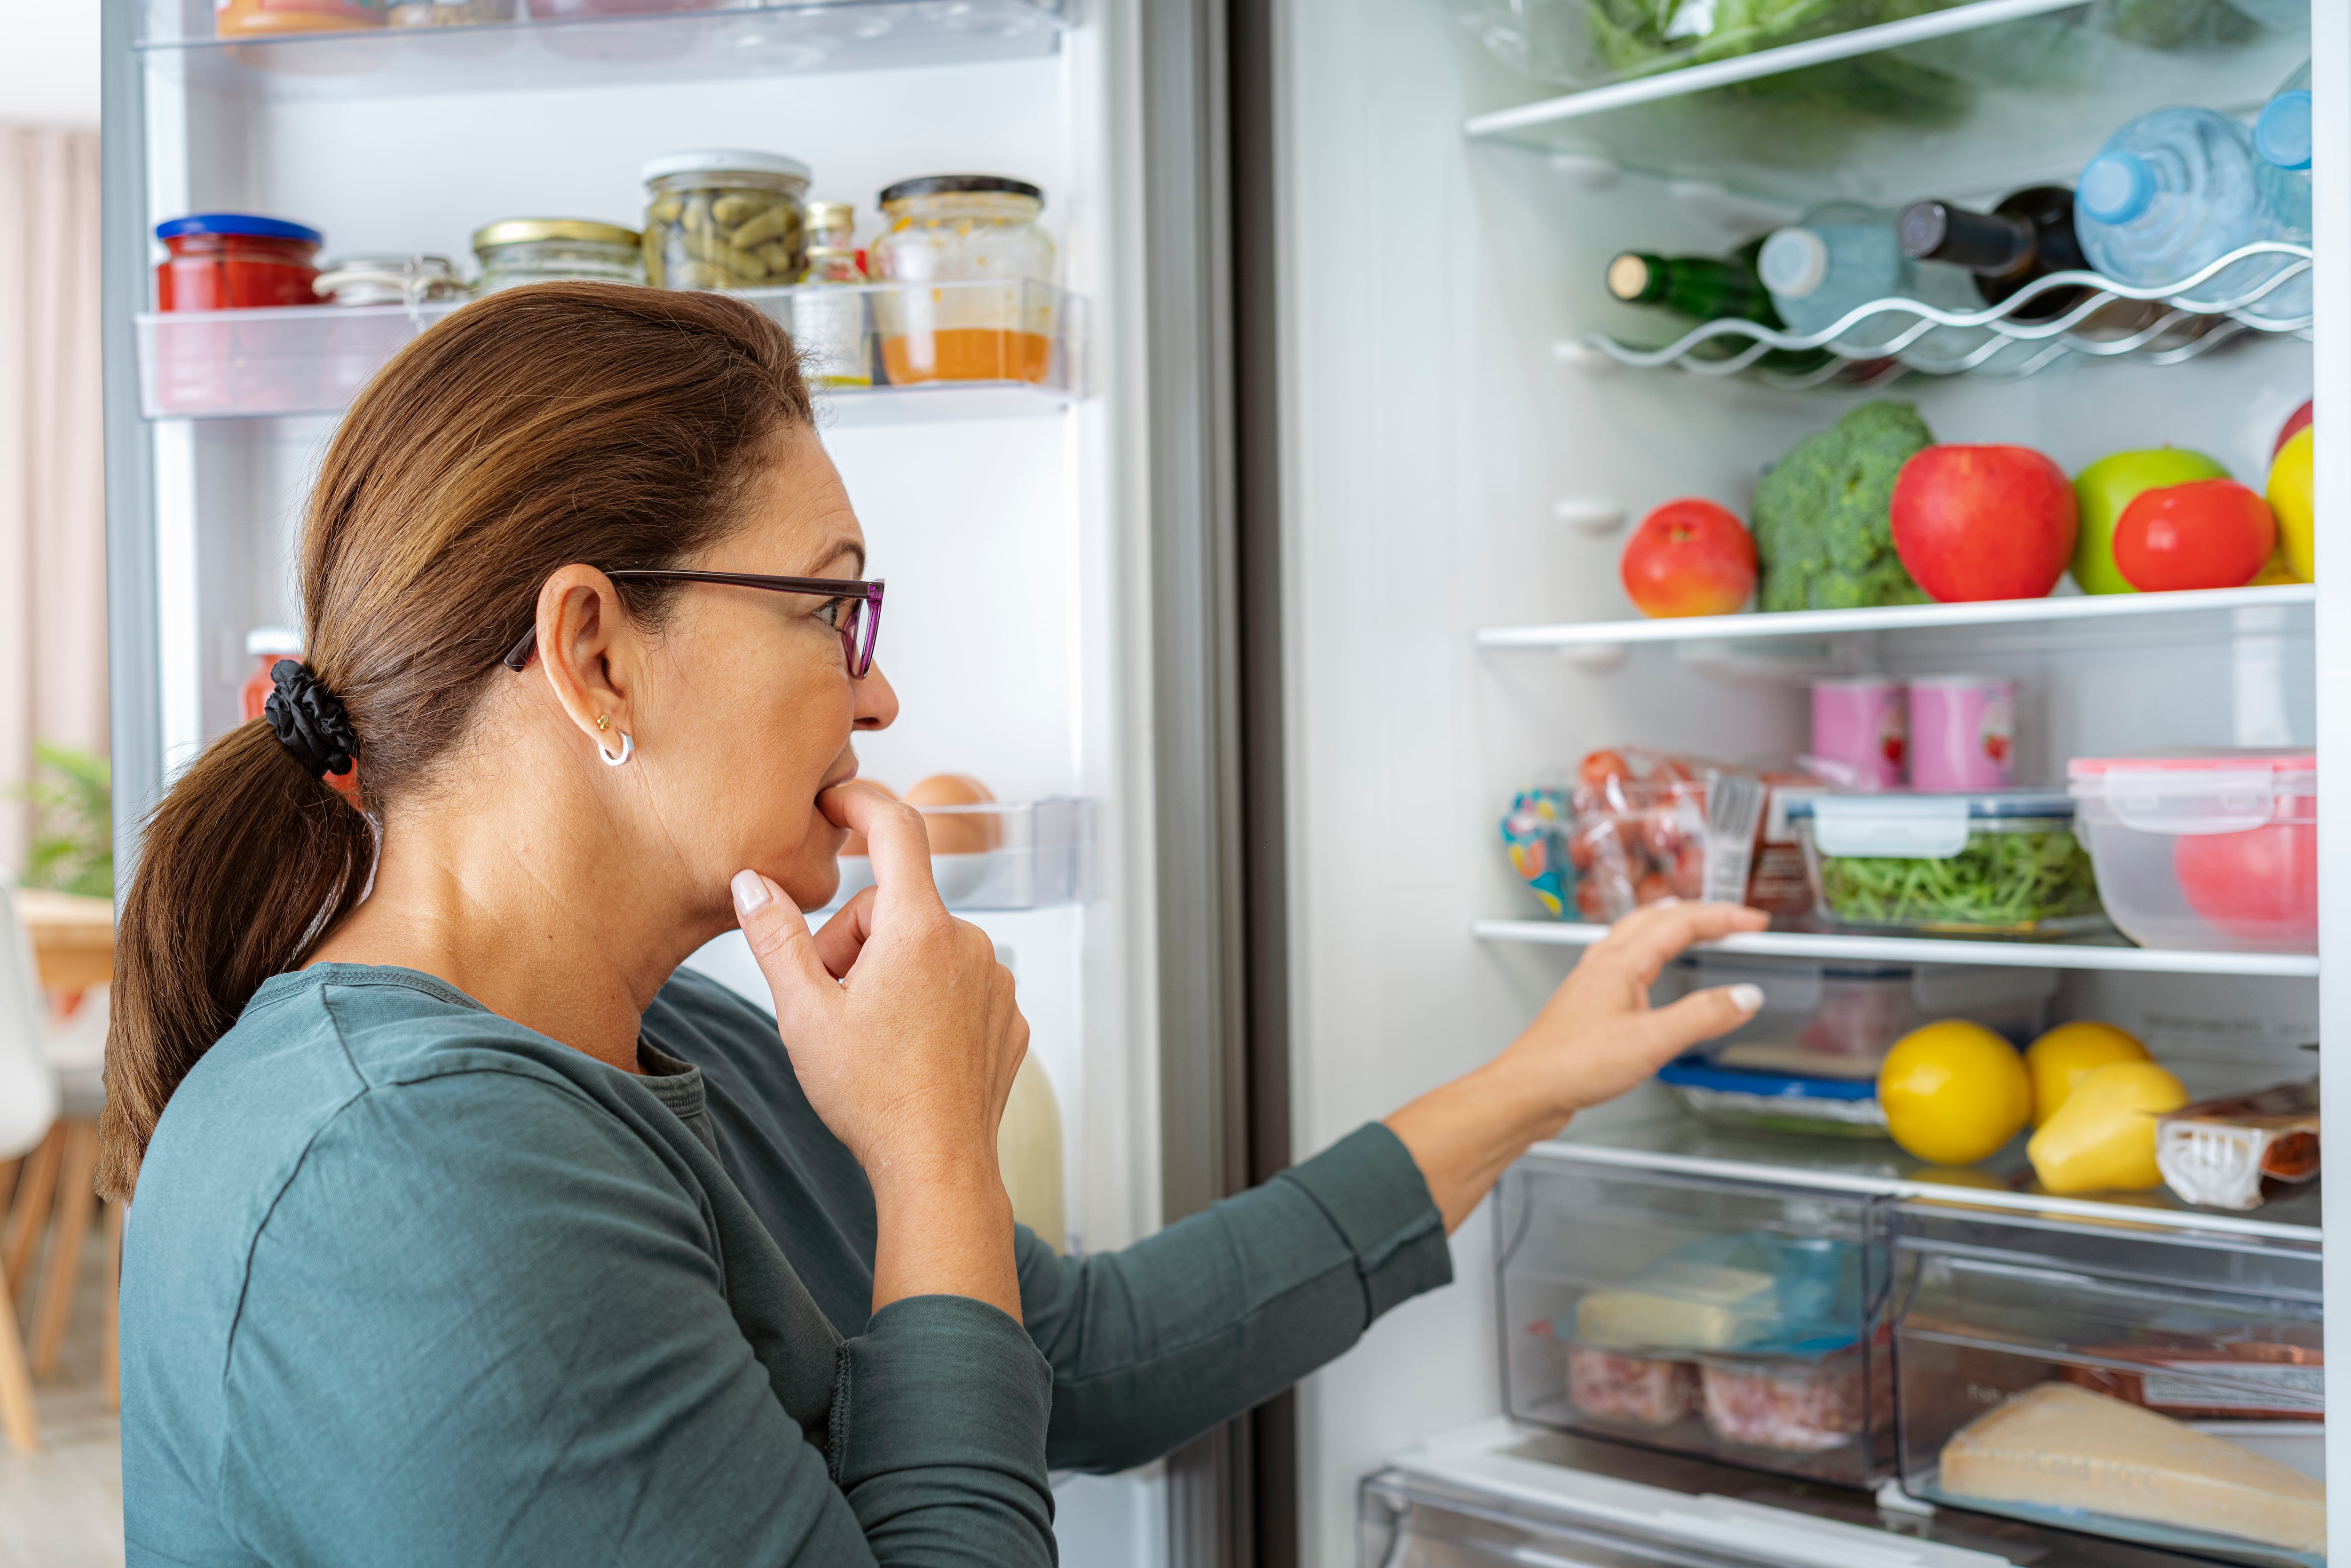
[(73, 938)]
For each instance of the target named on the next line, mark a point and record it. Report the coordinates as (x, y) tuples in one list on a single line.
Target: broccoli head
[(1821, 533)]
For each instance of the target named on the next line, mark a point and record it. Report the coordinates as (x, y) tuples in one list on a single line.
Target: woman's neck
[(559, 931)]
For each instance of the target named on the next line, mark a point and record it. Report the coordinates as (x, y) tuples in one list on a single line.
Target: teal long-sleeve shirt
[(407, 1283)]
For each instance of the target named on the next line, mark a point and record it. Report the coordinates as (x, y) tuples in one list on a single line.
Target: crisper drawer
[(2138, 1380), (1718, 1318)]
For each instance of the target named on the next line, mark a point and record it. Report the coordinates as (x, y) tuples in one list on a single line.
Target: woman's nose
[(876, 700)]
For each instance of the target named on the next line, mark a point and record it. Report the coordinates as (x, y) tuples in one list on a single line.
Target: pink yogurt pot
[(1962, 733), (1860, 731)]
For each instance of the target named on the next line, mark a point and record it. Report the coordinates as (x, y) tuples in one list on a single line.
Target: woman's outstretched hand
[(1595, 1039), (904, 1032)]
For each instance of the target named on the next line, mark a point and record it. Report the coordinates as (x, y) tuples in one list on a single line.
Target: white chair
[(28, 1112)]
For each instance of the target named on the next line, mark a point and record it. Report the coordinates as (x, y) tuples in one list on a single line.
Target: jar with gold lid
[(542, 250), (990, 313)]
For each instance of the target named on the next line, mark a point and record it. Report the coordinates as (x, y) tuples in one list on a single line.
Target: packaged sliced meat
[(2234, 1152), (1648, 826), (1611, 1387), (2236, 1381)]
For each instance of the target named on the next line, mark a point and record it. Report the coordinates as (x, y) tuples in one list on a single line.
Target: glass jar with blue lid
[(1992, 863)]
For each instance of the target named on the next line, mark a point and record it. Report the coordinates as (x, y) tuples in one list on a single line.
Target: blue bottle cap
[(237, 224), (2282, 134), (2116, 188)]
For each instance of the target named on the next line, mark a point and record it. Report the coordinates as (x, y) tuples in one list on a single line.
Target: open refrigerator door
[(295, 191), (1550, 270)]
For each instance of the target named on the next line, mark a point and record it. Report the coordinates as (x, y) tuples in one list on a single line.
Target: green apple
[(2109, 485)]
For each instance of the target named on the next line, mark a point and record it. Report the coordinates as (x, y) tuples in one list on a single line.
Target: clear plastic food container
[(2134, 1380), (1807, 1061), (982, 231), (2215, 850), (1998, 864), (1716, 1318)]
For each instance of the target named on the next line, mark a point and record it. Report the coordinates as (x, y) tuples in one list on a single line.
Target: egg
[(944, 799), (855, 844)]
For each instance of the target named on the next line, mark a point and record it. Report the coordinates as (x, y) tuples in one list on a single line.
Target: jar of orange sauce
[(977, 301), (236, 261)]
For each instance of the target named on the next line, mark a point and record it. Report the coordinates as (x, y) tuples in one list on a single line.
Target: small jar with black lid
[(979, 235)]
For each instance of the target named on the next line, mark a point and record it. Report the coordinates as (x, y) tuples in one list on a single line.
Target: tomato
[(2260, 885), (1583, 845), (1655, 888), (1689, 872), (1600, 769), (2207, 533)]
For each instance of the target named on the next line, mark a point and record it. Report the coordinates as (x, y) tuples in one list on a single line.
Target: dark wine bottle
[(2029, 234), (1706, 289)]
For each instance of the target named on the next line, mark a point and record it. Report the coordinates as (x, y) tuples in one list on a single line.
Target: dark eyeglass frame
[(864, 596)]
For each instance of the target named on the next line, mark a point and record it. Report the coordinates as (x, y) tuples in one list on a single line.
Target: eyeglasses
[(856, 608)]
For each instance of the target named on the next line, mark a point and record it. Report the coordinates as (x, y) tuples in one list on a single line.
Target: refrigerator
[(1297, 564)]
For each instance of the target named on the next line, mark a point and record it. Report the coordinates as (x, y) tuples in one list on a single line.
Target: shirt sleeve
[(487, 1323), (1155, 1344)]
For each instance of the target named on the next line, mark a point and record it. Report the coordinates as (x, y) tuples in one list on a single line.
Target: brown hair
[(603, 423)]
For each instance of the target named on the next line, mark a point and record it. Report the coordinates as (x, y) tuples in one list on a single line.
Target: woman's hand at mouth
[(904, 1033)]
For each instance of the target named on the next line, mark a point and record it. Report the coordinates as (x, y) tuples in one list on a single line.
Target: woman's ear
[(590, 649)]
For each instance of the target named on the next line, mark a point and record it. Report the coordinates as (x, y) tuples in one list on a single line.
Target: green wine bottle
[(1705, 289)]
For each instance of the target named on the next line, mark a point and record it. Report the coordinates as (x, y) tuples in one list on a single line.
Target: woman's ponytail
[(242, 869), (604, 424)]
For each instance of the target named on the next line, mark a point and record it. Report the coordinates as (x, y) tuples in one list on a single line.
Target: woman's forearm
[(944, 1231), (1595, 1039)]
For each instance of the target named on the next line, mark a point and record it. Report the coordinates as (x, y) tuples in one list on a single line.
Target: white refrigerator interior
[(1003, 515), (1456, 460)]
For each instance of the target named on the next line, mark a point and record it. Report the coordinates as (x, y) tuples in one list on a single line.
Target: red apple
[(1983, 522), (2207, 533), (1690, 558), (2291, 427)]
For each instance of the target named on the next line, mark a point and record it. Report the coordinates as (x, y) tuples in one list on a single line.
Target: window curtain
[(52, 505)]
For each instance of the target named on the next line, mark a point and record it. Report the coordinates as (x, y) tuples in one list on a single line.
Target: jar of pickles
[(542, 250), (725, 219), (990, 313)]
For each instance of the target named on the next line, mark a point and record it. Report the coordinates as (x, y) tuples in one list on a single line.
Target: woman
[(469, 1228)]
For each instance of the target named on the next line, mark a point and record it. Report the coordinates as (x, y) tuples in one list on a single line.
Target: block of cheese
[(1679, 1303), (2061, 1447)]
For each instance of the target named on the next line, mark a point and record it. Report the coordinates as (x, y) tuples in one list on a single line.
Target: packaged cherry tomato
[(1643, 825)]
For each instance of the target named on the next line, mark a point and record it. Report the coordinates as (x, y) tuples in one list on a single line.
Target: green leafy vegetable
[(2005, 881), (1821, 532)]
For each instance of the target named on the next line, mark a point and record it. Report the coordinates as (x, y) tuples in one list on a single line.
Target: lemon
[(2058, 1058), (1953, 1092), (2292, 485)]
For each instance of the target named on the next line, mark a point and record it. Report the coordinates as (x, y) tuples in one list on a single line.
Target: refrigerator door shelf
[(1023, 854), (676, 43), (989, 349)]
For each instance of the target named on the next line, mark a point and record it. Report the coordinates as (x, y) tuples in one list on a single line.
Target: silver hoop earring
[(628, 750)]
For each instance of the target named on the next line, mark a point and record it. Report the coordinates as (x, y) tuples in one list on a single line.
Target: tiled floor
[(62, 1508)]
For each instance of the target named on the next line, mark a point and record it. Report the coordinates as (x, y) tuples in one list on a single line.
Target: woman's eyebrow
[(848, 547)]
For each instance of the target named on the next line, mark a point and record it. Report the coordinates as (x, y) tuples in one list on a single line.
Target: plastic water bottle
[(1843, 255), (2171, 193), (2282, 172)]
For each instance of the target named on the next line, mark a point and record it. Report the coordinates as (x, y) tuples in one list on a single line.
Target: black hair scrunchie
[(310, 720)]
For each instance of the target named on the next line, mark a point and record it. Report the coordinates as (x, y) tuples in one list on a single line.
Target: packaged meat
[(2258, 1380), (2230, 1152), (1613, 1387), (2062, 1448), (1794, 1404)]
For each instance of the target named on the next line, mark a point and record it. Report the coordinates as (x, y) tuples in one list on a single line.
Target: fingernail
[(751, 893), (1663, 903), (1747, 999)]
